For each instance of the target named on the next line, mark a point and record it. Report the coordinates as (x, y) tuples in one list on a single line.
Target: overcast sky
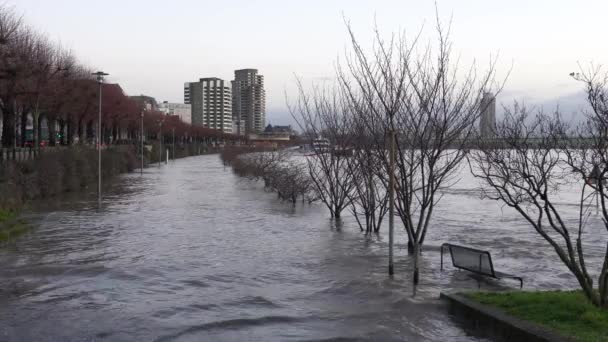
[(152, 47)]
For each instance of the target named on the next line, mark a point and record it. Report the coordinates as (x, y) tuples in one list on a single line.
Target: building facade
[(248, 101), (487, 122), (211, 103), (187, 93), (183, 111)]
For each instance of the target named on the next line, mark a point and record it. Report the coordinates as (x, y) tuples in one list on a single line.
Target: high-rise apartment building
[(248, 101), (211, 101), (187, 93), (487, 122)]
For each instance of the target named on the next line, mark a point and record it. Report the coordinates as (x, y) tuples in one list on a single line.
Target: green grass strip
[(566, 312)]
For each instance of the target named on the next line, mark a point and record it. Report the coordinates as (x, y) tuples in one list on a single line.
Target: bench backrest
[(472, 259)]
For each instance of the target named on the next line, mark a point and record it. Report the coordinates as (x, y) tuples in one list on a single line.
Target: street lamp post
[(142, 143), (391, 204), (100, 75), (173, 148), (160, 141)]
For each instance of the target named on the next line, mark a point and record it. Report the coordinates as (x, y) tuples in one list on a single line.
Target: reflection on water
[(188, 252)]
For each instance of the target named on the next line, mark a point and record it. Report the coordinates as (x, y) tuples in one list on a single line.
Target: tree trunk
[(39, 118), (62, 132), (23, 129), (8, 127), (416, 277), (70, 131), (410, 247), (114, 133), (90, 131), (79, 131), (52, 134), (36, 129)]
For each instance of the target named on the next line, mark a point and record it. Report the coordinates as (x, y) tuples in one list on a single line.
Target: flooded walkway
[(189, 252)]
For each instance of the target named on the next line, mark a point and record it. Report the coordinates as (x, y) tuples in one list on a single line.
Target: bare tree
[(369, 200), (10, 23), (532, 158), (291, 181), (281, 174), (420, 98), (587, 157), (32, 68), (322, 114), (11, 27)]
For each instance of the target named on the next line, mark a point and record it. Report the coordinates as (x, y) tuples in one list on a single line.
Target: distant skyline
[(153, 47)]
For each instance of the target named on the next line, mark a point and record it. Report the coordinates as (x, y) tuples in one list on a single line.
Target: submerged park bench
[(475, 261)]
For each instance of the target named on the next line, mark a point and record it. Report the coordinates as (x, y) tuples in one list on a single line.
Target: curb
[(494, 323)]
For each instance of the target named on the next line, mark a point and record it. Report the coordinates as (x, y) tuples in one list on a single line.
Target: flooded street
[(190, 252)]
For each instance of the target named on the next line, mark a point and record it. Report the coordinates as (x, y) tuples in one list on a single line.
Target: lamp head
[(100, 75)]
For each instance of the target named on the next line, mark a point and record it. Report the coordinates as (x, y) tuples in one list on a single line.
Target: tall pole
[(160, 143), (173, 148), (391, 203), (142, 143), (99, 149), (100, 75)]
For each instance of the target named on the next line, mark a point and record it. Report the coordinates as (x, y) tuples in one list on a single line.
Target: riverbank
[(568, 313), (70, 170), (10, 225), (62, 171)]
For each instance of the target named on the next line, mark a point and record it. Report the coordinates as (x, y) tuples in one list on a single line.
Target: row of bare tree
[(408, 112), (42, 81), (400, 124), (279, 172)]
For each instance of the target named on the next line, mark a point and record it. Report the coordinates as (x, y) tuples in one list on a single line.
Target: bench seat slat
[(504, 275)]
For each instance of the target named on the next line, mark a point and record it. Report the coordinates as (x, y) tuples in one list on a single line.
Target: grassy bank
[(10, 225), (74, 169), (568, 313), (57, 172), (69, 170)]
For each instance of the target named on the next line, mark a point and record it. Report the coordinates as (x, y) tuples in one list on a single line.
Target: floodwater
[(190, 252)]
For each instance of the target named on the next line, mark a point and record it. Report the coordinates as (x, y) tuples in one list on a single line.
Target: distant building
[(269, 139), (272, 136), (148, 101), (211, 103), (487, 122), (278, 129), (249, 100), (183, 111)]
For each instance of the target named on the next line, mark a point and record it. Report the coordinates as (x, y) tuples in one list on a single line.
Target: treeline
[(279, 172), (43, 84)]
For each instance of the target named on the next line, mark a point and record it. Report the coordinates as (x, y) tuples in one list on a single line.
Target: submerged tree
[(420, 99), (323, 116), (369, 199)]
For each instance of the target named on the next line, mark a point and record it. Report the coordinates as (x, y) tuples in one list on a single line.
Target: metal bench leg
[(441, 248)]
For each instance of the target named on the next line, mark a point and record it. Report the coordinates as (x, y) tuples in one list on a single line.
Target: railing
[(29, 153), (17, 154), (26, 153)]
